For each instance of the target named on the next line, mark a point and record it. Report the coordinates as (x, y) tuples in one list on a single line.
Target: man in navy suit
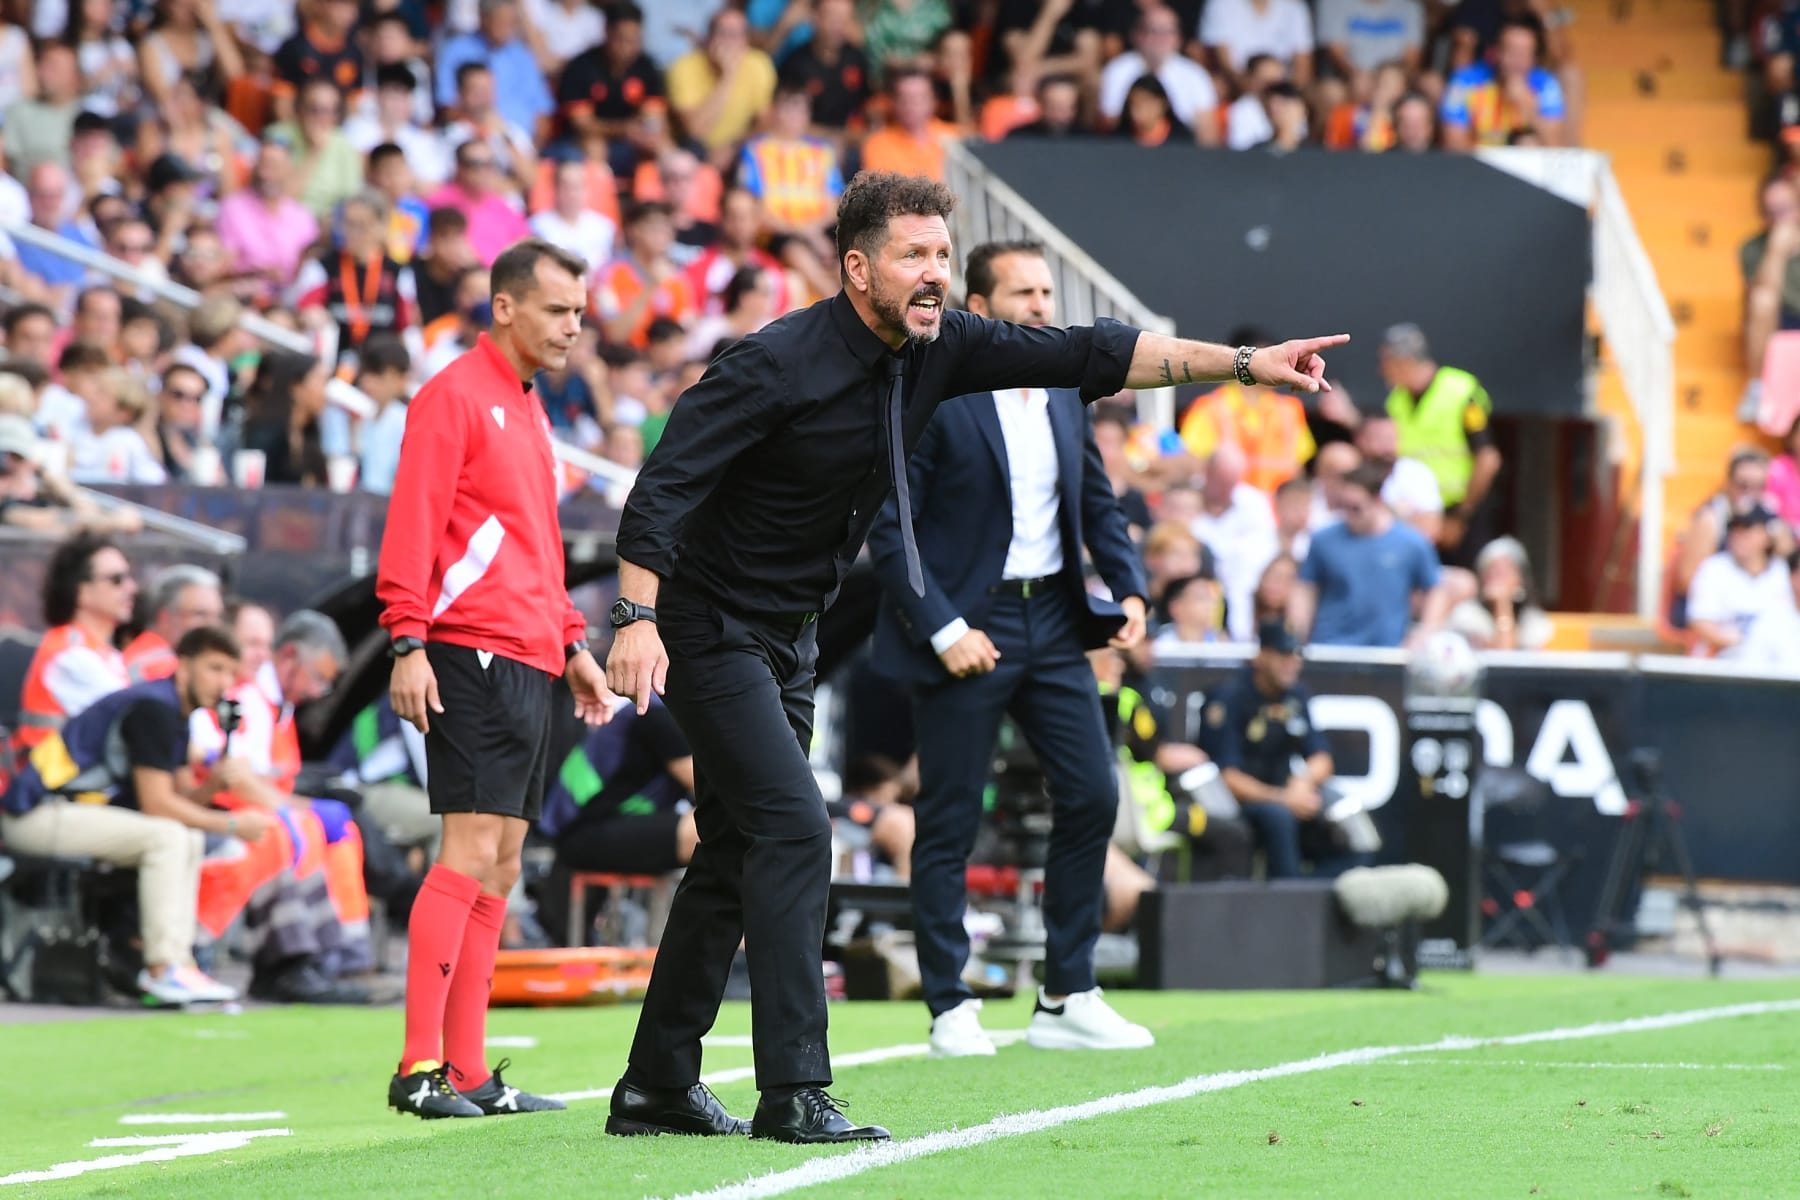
[(1007, 487)]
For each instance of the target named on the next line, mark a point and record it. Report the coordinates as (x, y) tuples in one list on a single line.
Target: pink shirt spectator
[(493, 223), (260, 238), (1784, 488)]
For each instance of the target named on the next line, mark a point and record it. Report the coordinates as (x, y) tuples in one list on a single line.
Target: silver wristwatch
[(1240, 365)]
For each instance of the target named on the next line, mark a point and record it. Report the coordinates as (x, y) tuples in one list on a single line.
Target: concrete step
[(1675, 158), (1626, 85), (1655, 123), (1634, 48), (1730, 197)]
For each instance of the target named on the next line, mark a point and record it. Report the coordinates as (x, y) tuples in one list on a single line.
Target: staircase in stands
[(1675, 124)]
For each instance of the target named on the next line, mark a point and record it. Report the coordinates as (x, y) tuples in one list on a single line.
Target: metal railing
[(988, 209), (344, 395), (1634, 318)]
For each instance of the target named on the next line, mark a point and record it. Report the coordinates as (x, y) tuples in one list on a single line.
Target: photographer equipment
[(1393, 900), (1650, 828)]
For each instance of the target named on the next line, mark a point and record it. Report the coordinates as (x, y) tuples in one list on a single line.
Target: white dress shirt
[(1032, 476)]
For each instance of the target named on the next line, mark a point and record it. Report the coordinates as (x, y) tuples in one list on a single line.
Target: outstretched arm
[(1159, 360)]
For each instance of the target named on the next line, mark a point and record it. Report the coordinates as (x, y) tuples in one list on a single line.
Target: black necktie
[(897, 465)]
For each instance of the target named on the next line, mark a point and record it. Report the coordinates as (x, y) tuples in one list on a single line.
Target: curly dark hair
[(876, 197), (70, 566)]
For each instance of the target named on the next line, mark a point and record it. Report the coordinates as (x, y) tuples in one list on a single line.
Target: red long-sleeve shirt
[(473, 554)]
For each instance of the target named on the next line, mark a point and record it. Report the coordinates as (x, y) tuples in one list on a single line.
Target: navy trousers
[(1044, 682)]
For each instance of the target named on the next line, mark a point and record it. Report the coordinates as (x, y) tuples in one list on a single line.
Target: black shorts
[(489, 750)]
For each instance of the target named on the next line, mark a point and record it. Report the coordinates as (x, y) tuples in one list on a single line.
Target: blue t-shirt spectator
[(1366, 583), (521, 94), (48, 265)]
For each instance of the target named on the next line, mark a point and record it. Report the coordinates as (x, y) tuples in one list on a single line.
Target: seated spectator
[(88, 594), (382, 373), (1504, 613), (1409, 488), (1058, 103), (1363, 576), (1738, 589), (1112, 434), (898, 33), (1746, 488), (329, 167), (391, 178), (1275, 590), (1247, 122), (738, 246), (603, 90), (1196, 608), (1267, 425), (1416, 128), (41, 501), (643, 283), (623, 799), (114, 449), (1237, 523), (264, 229), (478, 192), (1293, 517), (570, 223), (1784, 479), (38, 126), (214, 340), (692, 190), (1287, 120), (720, 88), (1331, 468), (749, 301), (1368, 123), (47, 188), (180, 404), (873, 818), (483, 120), (184, 597), (565, 28), (1156, 50), (912, 142), (445, 256), (392, 43), (392, 123), (140, 809), (1235, 30), (1771, 266), (1149, 118), (1360, 37), (354, 285), (1257, 730), (1213, 847), (458, 330), (30, 331), (63, 410), (832, 68), (1180, 503), (1485, 102), (1171, 552), (521, 94), (793, 173), (281, 417)]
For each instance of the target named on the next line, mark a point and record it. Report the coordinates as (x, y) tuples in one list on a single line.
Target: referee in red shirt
[(471, 578)]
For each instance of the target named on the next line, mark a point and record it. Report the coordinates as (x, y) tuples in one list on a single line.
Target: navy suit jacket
[(962, 514)]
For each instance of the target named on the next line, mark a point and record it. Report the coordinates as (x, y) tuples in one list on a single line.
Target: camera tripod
[(1651, 829)]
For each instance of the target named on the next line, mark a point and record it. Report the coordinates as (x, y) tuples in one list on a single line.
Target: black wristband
[(578, 646), (403, 646)]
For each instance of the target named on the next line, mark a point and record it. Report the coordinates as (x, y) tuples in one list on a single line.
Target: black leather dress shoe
[(693, 1111), (808, 1117)]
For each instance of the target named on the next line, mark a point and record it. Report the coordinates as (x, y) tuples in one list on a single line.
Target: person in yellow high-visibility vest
[(1267, 425), (1442, 414)]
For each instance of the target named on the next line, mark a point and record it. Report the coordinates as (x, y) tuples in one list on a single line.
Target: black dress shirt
[(775, 464)]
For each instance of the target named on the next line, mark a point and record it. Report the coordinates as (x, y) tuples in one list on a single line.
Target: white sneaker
[(185, 985), (958, 1033), (1083, 1021)]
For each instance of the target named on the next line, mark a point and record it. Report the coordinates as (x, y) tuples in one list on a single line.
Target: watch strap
[(1240, 365), (403, 646)]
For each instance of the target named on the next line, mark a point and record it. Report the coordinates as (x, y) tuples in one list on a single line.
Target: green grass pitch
[(1706, 1108)]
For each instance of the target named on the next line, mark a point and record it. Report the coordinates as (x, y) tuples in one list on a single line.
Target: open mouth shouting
[(926, 305)]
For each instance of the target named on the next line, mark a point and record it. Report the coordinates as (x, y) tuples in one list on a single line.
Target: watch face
[(622, 612)]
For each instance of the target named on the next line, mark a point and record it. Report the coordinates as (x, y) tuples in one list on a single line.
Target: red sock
[(465, 1015), (434, 938)]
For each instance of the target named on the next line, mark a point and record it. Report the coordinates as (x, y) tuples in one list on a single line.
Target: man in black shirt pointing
[(738, 533)]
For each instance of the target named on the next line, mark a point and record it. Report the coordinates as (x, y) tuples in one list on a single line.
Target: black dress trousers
[(742, 691)]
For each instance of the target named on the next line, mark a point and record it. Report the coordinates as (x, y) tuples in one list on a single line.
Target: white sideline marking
[(164, 1148), (1582, 1066), (831, 1168), (513, 1043), (1000, 1037), (162, 1118), (725, 1039)]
